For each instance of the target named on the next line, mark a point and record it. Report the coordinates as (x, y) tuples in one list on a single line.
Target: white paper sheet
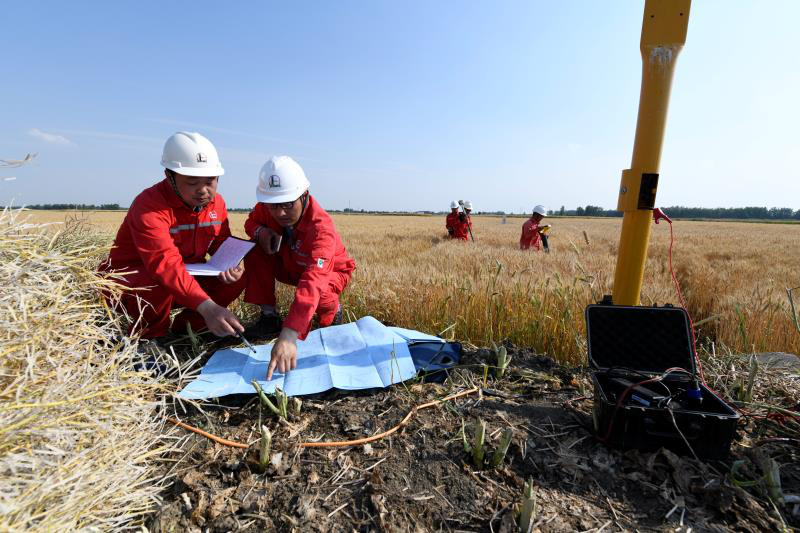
[(228, 255)]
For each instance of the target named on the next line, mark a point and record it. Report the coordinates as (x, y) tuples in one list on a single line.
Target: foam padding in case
[(648, 339)]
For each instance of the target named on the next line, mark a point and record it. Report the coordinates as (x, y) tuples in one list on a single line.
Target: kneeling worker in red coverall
[(463, 225), (177, 221), (452, 219), (532, 230), (297, 245)]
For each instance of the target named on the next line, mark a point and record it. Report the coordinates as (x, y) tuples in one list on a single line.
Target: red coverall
[(530, 237), (313, 259), (450, 224), (158, 236), (462, 228)]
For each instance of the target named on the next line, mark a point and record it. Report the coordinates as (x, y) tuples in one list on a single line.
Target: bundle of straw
[(79, 428)]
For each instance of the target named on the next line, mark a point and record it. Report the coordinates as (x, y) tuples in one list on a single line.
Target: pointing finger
[(235, 324), (225, 329)]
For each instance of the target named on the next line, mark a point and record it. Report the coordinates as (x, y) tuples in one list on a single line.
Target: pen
[(246, 343)]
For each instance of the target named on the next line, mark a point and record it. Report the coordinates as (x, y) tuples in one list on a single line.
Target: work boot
[(266, 326), (152, 356), (337, 318)]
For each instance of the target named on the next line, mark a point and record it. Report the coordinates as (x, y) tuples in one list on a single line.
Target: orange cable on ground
[(226, 442), (389, 432), (333, 444)]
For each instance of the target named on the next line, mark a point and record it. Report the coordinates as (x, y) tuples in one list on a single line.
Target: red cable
[(683, 302), (658, 215)]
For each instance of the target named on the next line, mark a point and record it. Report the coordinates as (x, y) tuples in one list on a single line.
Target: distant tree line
[(83, 207), (740, 213), (677, 211)]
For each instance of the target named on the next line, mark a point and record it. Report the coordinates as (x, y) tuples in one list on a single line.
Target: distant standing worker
[(533, 230), (463, 227), (297, 245), (177, 221), (452, 219)]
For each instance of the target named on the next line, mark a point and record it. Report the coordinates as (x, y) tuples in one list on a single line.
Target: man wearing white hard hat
[(533, 231), (177, 221), (297, 245), (452, 218), (463, 224)]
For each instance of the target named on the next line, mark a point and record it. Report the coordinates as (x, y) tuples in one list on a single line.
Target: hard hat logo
[(274, 181), (201, 157)]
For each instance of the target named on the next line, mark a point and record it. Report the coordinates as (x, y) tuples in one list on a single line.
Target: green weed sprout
[(528, 510), (281, 410), (193, 339), (266, 444), (297, 406), (477, 449), (743, 391), (478, 442), (502, 360), (467, 446), (500, 453)]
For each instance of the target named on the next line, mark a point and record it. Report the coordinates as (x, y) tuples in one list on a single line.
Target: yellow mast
[(663, 35)]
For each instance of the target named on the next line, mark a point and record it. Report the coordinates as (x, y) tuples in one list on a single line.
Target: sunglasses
[(283, 205)]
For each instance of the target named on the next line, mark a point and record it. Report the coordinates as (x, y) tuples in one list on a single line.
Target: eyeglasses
[(284, 205)]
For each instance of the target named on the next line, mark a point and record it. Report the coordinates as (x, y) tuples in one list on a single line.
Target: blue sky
[(398, 105)]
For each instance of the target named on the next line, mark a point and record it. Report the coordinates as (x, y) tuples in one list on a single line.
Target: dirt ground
[(421, 478)]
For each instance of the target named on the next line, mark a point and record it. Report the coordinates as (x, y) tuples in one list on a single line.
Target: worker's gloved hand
[(451, 231), (232, 275), (284, 353), (219, 320), (269, 240)]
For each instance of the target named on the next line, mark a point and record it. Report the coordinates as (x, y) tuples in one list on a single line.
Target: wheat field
[(734, 277)]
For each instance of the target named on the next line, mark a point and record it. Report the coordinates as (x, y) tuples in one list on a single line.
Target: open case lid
[(648, 339)]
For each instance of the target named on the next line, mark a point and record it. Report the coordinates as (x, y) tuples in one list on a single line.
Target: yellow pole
[(663, 35)]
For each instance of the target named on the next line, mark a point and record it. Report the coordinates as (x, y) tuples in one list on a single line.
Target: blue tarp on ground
[(360, 355)]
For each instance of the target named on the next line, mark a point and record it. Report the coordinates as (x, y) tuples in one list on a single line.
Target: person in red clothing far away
[(452, 219), (177, 221), (297, 245), (533, 232), (463, 224)]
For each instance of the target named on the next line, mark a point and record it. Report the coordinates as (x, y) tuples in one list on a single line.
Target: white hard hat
[(191, 154), (281, 180), (453, 205), (467, 205), (540, 210)]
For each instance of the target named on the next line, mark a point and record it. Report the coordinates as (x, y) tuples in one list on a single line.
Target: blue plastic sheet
[(360, 355)]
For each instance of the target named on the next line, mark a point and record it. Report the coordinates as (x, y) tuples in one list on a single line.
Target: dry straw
[(80, 430)]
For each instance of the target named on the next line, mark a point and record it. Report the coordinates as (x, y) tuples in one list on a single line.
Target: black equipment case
[(628, 345)]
